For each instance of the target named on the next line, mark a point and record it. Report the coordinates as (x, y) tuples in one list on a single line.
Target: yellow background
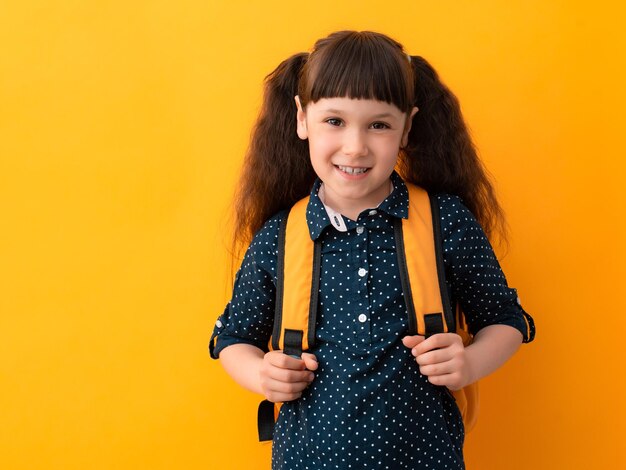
[(122, 127)]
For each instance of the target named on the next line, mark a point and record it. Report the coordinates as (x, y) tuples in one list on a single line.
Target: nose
[(354, 143)]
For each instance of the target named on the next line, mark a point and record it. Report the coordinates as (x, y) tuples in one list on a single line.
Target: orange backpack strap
[(431, 305), (420, 260), (297, 287)]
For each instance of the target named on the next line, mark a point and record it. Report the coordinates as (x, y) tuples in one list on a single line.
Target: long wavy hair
[(440, 155)]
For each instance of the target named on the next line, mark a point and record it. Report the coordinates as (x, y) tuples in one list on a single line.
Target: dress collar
[(318, 217)]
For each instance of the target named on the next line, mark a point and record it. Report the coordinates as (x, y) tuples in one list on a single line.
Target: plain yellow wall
[(122, 128)]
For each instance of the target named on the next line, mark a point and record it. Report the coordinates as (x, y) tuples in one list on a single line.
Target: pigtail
[(277, 170), (440, 155)]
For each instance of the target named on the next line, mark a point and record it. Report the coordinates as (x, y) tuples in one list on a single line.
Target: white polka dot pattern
[(369, 407)]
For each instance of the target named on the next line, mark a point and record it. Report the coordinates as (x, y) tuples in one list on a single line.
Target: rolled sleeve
[(475, 275), (248, 317)]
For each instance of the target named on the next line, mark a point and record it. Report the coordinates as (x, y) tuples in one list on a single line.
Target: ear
[(301, 120), (407, 127)]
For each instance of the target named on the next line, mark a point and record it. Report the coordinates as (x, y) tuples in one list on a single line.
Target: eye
[(334, 121), (380, 126)]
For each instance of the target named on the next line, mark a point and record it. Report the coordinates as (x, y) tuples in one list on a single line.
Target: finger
[(276, 386), (450, 381), (310, 361), (439, 379), (434, 356), (441, 368), (438, 341), (412, 341), (289, 375), (284, 361)]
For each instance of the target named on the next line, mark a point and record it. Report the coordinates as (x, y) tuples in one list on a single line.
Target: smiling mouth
[(352, 170)]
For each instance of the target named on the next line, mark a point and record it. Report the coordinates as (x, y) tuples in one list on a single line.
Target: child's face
[(354, 147)]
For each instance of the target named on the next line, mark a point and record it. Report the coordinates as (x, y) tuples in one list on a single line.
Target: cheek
[(318, 161), (321, 149), (388, 149)]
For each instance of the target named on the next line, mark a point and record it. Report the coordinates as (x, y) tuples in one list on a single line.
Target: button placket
[(362, 314)]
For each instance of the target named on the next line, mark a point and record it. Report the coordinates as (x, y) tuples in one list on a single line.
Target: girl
[(349, 124)]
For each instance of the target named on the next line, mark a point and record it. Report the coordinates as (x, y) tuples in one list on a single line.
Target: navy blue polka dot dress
[(369, 407)]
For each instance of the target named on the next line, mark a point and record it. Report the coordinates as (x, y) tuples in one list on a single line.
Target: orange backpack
[(422, 275)]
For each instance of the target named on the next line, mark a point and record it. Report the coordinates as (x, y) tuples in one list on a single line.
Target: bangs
[(359, 65)]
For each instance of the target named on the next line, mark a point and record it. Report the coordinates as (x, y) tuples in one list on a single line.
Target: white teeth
[(352, 171)]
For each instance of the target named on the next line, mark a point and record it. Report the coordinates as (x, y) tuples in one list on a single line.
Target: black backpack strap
[(280, 282), (293, 343), (448, 312), (265, 421), (433, 323), (315, 290), (265, 412), (404, 275)]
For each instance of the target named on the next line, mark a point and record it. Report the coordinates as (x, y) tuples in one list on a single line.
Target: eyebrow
[(376, 116)]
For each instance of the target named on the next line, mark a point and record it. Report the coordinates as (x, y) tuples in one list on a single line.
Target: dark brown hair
[(440, 155)]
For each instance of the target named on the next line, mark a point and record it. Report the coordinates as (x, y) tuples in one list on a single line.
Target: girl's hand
[(283, 378), (442, 359)]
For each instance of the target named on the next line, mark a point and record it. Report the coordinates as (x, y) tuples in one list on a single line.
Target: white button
[(362, 318), (373, 212), (219, 324), (362, 272), (360, 230), (519, 302)]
